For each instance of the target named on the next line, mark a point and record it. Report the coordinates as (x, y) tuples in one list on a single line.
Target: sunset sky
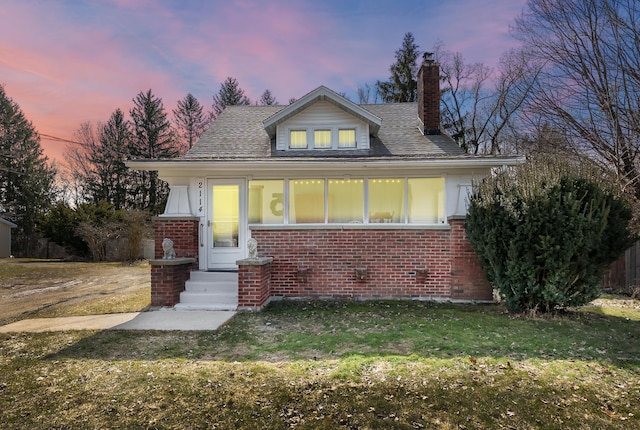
[(69, 62)]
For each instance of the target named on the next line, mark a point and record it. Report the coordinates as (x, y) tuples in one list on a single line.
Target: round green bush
[(546, 232)]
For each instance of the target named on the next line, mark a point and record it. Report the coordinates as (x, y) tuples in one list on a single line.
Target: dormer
[(322, 120)]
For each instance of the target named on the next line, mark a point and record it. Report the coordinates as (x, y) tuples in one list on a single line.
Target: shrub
[(545, 232)]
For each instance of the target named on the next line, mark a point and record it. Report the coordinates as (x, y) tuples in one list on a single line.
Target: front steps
[(210, 291)]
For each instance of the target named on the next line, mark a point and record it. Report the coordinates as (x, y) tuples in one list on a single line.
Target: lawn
[(327, 365)]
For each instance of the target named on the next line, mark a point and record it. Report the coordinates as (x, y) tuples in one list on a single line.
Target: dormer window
[(347, 138), (322, 139), (298, 139), (324, 121)]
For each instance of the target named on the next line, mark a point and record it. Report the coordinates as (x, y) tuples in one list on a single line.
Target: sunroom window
[(378, 200), (346, 201), (386, 200), (266, 202), (306, 201)]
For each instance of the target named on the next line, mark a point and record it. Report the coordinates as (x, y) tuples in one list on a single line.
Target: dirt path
[(30, 288)]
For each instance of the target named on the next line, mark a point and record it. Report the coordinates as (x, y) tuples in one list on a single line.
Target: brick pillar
[(468, 280), (169, 276), (167, 280), (254, 282), (183, 231)]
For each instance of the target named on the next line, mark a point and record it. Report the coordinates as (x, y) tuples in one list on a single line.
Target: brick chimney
[(429, 96)]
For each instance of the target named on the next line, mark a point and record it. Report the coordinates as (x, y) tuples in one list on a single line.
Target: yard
[(326, 365)]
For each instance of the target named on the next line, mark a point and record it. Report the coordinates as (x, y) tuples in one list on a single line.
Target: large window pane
[(347, 138), (266, 202), (225, 216), (386, 200), (322, 139), (306, 201), (426, 200), (346, 200), (298, 139)]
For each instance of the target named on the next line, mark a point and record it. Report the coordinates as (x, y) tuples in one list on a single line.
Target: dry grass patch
[(328, 365)]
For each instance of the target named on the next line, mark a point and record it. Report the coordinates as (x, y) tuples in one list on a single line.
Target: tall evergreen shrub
[(545, 233)]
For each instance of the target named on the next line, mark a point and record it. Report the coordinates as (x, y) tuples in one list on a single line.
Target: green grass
[(327, 365)]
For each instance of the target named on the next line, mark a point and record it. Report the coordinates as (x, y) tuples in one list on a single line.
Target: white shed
[(5, 237)]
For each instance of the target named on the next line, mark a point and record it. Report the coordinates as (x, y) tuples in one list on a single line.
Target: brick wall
[(183, 231), (468, 281), (167, 282), (370, 263)]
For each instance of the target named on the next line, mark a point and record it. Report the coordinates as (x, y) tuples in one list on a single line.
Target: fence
[(624, 274)]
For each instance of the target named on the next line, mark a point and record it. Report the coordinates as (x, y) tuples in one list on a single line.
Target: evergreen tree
[(190, 121), (267, 99), (152, 138), (230, 94), (402, 86), (115, 140), (26, 177)]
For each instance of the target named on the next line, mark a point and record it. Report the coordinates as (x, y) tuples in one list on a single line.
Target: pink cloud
[(64, 68)]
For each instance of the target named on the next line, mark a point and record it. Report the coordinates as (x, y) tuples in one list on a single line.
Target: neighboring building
[(344, 200), (5, 237)]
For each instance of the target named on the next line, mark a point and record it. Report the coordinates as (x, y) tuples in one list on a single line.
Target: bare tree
[(479, 105), (589, 87)]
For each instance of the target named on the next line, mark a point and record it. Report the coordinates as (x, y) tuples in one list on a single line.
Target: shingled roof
[(239, 134)]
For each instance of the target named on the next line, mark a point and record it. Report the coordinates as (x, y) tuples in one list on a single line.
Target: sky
[(69, 62)]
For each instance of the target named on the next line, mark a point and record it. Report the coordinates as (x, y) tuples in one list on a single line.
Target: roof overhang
[(7, 222), (205, 167), (322, 93)]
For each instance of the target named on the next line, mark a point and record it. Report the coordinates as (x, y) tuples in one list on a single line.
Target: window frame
[(366, 222), (355, 138), (306, 138), (311, 130)]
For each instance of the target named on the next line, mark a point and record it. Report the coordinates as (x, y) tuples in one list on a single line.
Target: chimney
[(429, 96)]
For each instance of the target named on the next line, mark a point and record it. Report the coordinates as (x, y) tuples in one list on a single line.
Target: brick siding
[(372, 263)]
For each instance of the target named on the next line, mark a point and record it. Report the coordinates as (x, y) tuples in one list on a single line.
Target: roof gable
[(322, 93)]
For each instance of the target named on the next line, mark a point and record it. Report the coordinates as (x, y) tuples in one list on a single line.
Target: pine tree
[(115, 140), (402, 86), (267, 99), (26, 177), (152, 138), (230, 94), (190, 121)]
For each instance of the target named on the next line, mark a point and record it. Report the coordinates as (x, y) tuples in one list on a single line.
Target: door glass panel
[(226, 201)]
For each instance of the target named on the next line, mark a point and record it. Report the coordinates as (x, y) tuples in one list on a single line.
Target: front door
[(226, 224)]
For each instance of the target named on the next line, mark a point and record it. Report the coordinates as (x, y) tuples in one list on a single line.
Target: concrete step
[(214, 276), (206, 307), (210, 291), (211, 287)]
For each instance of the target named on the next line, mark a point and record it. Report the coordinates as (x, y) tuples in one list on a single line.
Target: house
[(343, 200), (5, 237)]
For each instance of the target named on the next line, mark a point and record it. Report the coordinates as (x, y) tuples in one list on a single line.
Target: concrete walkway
[(165, 319)]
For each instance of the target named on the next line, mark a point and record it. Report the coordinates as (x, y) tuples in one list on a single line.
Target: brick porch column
[(167, 280), (168, 277), (254, 282)]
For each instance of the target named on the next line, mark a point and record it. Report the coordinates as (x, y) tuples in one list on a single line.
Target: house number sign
[(200, 196)]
